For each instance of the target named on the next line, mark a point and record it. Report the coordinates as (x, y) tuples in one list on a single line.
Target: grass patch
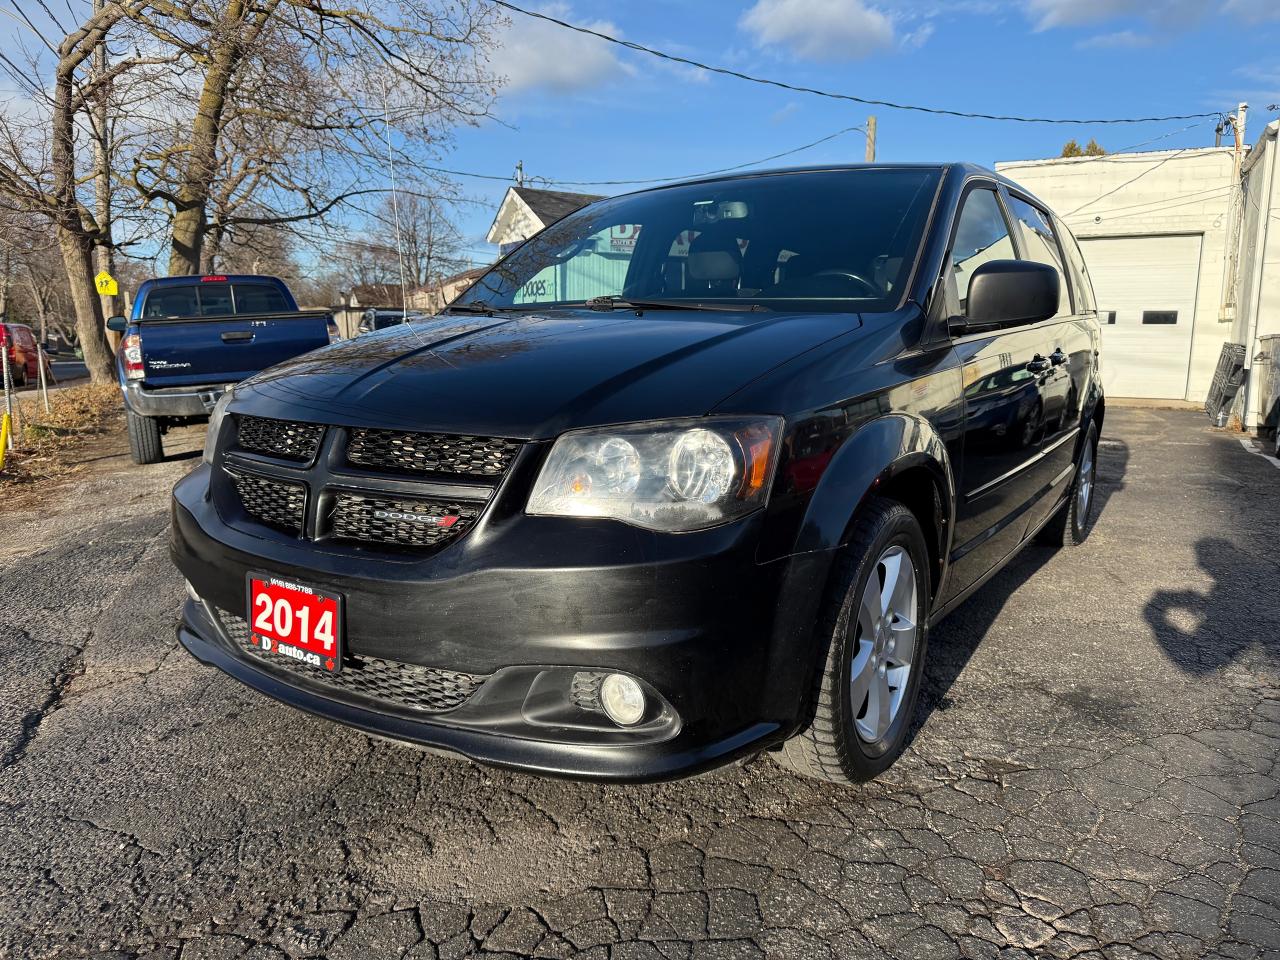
[(48, 441)]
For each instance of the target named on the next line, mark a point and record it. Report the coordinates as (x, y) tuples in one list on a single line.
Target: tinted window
[(840, 240), (215, 299), (259, 298), (981, 236), (1080, 280), (172, 302), (1040, 245), (1160, 316)]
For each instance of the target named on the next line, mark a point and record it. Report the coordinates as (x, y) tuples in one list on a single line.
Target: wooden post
[(44, 384), (871, 139)]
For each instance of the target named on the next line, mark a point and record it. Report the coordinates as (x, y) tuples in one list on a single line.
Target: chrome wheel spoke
[(884, 704), (887, 632), (891, 564), (862, 673)]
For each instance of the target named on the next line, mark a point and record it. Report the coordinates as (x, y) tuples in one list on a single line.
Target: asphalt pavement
[(1094, 771)]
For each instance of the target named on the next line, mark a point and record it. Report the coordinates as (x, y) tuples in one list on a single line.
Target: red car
[(24, 359)]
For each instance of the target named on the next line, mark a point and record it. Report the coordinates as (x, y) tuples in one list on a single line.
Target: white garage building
[(1156, 229)]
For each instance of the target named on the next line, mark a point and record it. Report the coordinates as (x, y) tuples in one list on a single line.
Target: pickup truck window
[(826, 240), (214, 300)]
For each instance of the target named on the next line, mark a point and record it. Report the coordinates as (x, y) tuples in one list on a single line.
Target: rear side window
[(1040, 244), (259, 298), (982, 235), (1080, 281)]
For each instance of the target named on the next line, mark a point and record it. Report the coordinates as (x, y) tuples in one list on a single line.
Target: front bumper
[(171, 401), (693, 617)]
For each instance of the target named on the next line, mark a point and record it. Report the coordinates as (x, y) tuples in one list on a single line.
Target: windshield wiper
[(613, 301), (477, 306)]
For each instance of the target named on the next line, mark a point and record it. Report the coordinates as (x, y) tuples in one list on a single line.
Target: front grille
[(426, 453), (281, 438), (277, 503), (407, 685), (399, 522)]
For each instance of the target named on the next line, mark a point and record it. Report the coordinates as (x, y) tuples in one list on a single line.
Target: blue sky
[(578, 108)]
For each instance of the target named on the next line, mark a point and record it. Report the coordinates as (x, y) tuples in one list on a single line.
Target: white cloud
[(1128, 39), (918, 37), (820, 29), (1254, 11), (1168, 15), (533, 54)]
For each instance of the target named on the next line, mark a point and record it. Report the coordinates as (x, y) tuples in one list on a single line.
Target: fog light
[(622, 699)]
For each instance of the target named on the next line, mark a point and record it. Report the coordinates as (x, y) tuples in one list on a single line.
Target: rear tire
[(868, 625), (144, 438), (18, 374), (1070, 526)]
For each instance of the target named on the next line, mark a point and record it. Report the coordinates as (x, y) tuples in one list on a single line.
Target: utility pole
[(1227, 311), (871, 139), (519, 173)]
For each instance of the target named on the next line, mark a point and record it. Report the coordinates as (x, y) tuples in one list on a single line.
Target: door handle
[(1039, 364), (237, 336), (1058, 357)]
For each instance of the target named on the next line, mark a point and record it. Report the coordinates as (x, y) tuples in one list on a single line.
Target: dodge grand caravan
[(687, 476)]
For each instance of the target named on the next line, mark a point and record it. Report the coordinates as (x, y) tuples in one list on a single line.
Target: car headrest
[(714, 258)]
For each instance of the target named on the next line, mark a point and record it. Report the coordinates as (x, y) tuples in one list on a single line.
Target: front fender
[(868, 462)]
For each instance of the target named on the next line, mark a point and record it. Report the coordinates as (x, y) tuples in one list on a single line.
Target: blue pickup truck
[(191, 338)]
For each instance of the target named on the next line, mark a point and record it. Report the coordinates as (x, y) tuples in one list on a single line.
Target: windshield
[(831, 240)]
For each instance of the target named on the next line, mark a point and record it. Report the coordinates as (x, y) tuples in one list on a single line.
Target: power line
[(1152, 169), (618, 183), (724, 71)]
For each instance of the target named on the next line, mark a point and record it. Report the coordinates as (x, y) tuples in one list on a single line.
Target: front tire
[(1070, 526), (876, 625), (145, 445)]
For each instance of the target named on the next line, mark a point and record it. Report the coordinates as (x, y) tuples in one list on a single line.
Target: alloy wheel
[(1084, 484), (886, 635)]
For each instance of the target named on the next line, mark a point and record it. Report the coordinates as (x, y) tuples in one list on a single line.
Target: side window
[(1041, 246), (1080, 281), (982, 235)]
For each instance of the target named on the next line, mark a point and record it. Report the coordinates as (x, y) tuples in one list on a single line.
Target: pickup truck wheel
[(144, 438), (876, 625), (1071, 524)]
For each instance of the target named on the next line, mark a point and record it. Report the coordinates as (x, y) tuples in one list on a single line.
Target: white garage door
[(1146, 292)]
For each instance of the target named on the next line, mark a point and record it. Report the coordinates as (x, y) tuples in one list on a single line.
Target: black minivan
[(685, 477)]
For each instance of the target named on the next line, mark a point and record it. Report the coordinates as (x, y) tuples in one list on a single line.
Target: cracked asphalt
[(1094, 771)]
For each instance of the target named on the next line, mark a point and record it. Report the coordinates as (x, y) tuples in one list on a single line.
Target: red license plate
[(292, 620)]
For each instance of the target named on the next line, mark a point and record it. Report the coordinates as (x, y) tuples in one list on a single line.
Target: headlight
[(674, 475), (215, 424)]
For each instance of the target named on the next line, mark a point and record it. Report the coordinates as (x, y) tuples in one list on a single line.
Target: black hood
[(530, 376)]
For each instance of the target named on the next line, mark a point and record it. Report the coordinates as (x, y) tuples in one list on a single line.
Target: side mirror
[(117, 324), (1008, 293)]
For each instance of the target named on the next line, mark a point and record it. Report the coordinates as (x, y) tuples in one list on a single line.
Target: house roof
[(552, 205), (524, 211)]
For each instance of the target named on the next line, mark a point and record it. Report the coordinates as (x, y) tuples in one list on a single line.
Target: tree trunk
[(211, 247), (75, 237), (189, 222), (77, 255)]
